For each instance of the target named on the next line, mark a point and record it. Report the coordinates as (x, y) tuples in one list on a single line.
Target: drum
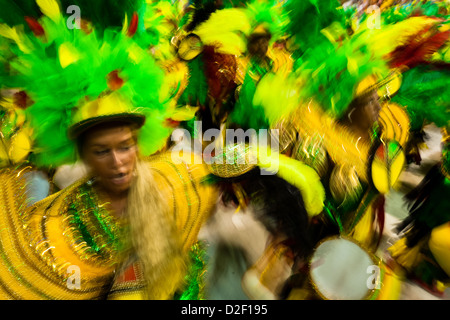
[(341, 269)]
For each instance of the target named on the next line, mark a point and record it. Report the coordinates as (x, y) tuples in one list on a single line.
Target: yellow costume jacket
[(68, 246)]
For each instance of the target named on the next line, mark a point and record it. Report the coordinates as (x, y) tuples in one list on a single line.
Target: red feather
[(86, 26), (418, 48), (35, 26), (114, 81), (22, 100), (169, 122), (133, 25)]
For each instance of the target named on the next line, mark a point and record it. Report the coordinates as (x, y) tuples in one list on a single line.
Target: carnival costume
[(422, 250), (415, 62), (228, 49), (101, 96), (78, 78), (336, 63), (304, 68)]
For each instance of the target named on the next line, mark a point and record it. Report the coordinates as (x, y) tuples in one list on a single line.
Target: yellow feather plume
[(299, 175), (17, 35), (67, 54), (275, 90), (224, 28), (125, 25), (50, 8), (174, 84), (385, 39), (20, 146)]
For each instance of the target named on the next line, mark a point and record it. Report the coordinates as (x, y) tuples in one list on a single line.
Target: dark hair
[(277, 204), (280, 207)]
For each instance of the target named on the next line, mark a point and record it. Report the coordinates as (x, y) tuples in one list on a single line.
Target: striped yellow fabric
[(40, 248), (439, 244), (190, 199), (342, 145), (35, 253), (395, 123)]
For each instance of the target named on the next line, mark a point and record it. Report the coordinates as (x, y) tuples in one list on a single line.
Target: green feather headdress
[(424, 93), (330, 63), (69, 68), (333, 60), (307, 19)]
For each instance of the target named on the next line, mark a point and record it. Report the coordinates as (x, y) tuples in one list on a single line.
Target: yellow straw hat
[(111, 107)]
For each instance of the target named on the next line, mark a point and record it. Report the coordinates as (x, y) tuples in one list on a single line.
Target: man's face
[(111, 153)]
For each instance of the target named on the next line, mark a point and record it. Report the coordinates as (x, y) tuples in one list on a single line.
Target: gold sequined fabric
[(42, 255), (341, 144), (68, 246), (190, 197)]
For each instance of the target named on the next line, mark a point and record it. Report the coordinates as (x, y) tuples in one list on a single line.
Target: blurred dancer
[(128, 230), (422, 251), (235, 48)]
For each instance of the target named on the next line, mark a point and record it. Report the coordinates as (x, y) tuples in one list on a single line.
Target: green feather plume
[(59, 80), (307, 18), (195, 278), (246, 113), (14, 12), (329, 62), (424, 92), (105, 13), (270, 15), (196, 91)]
